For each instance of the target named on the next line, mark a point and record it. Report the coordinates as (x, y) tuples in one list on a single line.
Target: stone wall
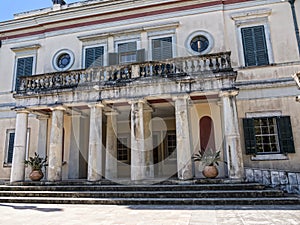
[(284, 180)]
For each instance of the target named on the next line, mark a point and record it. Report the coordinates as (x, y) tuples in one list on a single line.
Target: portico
[(141, 128)]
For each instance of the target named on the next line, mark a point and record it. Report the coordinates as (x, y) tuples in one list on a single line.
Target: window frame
[(159, 35), (281, 155), (203, 33), (173, 155), (118, 42), (104, 63), (252, 18), (127, 137), (9, 131)]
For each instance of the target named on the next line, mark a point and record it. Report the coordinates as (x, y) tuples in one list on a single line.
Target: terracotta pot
[(36, 175), (210, 171)]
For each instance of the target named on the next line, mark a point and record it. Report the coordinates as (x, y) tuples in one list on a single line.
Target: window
[(24, 68), (10, 146), (268, 135), (255, 46), (123, 150), (10, 139), (63, 60), (199, 42), (127, 53), (171, 146), (162, 48), (94, 56)]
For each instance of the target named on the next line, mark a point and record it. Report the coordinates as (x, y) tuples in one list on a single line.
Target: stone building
[(131, 89)]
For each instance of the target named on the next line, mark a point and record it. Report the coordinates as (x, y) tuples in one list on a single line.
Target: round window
[(199, 42), (63, 60)]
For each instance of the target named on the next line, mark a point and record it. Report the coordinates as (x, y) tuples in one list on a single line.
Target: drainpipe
[(292, 3)]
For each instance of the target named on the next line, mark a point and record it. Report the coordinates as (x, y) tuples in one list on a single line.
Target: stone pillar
[(56, 144), (138, 154), (232, 143), (184, 153), (95, 143), (73, 172), (111, 162), (43, 134), (148, 142), (19, 154)]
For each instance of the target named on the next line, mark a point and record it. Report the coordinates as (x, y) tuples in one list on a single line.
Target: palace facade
[(131, 89)]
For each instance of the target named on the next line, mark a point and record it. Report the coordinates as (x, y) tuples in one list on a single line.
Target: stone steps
[(154, 201), (167, 193), (146, 194)]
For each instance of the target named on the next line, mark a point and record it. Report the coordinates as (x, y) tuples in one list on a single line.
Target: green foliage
[(36, 162), (208, 157)]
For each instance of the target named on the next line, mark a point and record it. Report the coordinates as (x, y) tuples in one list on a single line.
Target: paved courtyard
[(20, 214)]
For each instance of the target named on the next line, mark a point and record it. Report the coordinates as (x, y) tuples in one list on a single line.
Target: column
[(18, 166), (148, 142), (43, 134), (73, 172), (95, 143), (184, 153), (111, 162), (138, 154), (232, 144), (56, 144)]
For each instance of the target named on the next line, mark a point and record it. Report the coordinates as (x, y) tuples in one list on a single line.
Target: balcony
[(120, 75)]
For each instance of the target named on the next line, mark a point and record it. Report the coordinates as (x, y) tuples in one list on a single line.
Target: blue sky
[(10, 7)]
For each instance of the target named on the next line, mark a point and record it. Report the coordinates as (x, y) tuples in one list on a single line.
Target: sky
[(9, 7)]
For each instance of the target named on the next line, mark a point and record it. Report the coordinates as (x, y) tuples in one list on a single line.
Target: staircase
[(196, 192)]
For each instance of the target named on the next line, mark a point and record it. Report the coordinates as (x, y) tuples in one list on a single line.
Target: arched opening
[(207, 134)]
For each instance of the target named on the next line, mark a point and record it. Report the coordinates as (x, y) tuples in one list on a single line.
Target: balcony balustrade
[(118, 74)]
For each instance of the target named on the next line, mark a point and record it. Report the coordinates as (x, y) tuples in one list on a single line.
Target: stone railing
[(108, 75)]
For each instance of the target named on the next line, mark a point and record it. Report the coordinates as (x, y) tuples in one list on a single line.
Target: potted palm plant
[(209, 160), (36, 163)]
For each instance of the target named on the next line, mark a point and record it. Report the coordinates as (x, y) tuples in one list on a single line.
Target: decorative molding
[(26, 48)]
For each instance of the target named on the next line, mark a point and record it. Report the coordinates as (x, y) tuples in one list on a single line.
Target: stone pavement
[(22, 214)]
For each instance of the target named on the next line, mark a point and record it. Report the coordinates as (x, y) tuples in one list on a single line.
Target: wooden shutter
[(140, 55), (285, 134), (254, 45), (113, 59), (127, 47), (94, 56), (10, 151), (24, 66), (249, 136), (162, 48)]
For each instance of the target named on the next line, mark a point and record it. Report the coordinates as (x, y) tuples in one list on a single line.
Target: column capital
[(181, 97), (229, 93), (96, 105), (22, 110), (58, 108), (133, 101)]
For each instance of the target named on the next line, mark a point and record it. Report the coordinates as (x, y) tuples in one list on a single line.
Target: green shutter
[(10, 151), (249, 136), (140, 55), (127, 47), (113, 58), (24, 66), (285, 134), (162, 48), (94, 56), (254, 46)]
